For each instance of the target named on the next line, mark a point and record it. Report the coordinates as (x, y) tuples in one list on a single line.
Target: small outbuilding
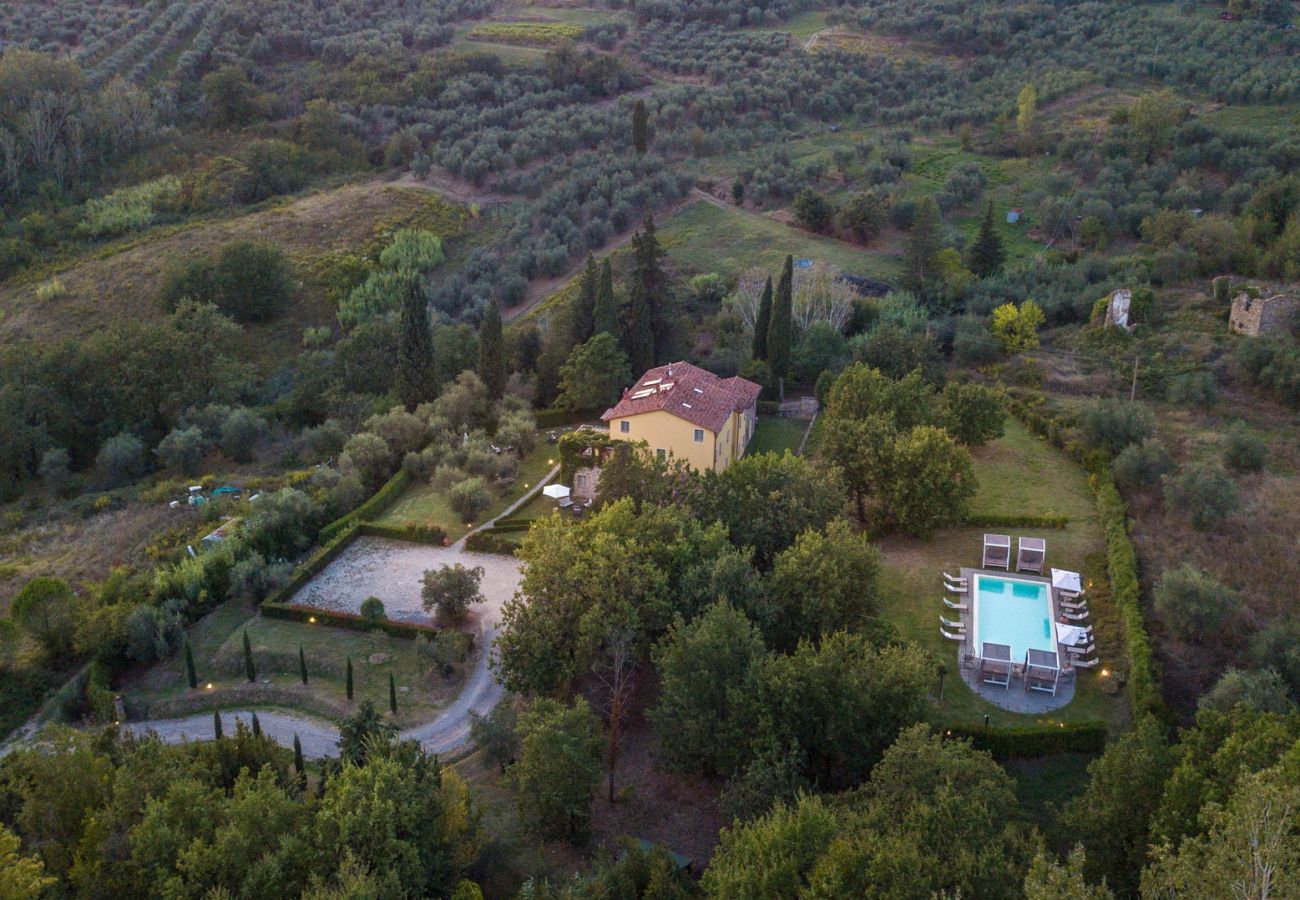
[(1256, 316)]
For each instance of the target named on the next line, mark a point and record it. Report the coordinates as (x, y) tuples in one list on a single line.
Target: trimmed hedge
[(1035, 740), (1049, 520), (1121, 558), (313, 564), (295, 613), (484, 541), (513, 520), (380, 501), (414, 532), (512, 526)]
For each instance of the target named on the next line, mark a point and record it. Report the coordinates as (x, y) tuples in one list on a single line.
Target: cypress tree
[(216, 724), (257, 725), (640, 127), (416, 378), (392, 694), (987, 254), (779, 331), (604, 313), (761, 322), (584, 311), (492, 352), (302, 664), (923, 246), (643, 318), (299, 765), (349, 684), (190, 675), (249, 670)]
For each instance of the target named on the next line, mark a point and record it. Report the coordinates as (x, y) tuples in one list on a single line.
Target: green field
[(730, 241), (774, 434), (511, 55), (1018, 474), (217, 642)]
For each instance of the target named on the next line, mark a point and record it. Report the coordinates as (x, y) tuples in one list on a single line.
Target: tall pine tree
[(780, 332), (640, 127), (416, 378), (920, 257), (604, 314), (584, 311), (492, 352), (987, 254), (761, 322), (642, 322)]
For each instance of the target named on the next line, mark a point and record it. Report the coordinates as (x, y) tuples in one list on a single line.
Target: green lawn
[(731, 241), (774, 434), (424, 504), (217, 642), (1018, 474), (511, 55)]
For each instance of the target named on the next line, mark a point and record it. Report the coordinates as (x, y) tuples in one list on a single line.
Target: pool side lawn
[(1019, 475)]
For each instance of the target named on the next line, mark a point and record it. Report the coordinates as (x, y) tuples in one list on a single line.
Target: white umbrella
[(555, 491)]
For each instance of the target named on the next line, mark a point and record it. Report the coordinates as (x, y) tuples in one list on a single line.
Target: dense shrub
[(469, 498), (122, 459), (1194, 605), (1114, 424), (1204, 493), (1243, 450), (1142, 466)]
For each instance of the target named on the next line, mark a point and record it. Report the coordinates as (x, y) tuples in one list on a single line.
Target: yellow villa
[(687, 412)]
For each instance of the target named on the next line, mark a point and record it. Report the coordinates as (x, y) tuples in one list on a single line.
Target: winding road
[(447, 734)]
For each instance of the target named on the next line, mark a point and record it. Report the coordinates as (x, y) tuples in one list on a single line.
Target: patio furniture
[(953, 637), (997, 552), (948, 623), (1081, 651), (960, 607), (1067, 603), (1042, 671), (1030, 555), (1086, 663), (1072, 635), (1075, 616), (564, 502), (995, 664), (954, 579), (1067, 582), (956, 588)]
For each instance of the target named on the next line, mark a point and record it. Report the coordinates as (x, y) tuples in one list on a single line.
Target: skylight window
[(639, 395)]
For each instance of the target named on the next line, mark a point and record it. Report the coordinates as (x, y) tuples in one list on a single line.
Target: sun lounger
[(1086, 663), (960, 607), (952, 637), (955, 579), (948, 623), (1081, 651), (957, 588), (564, 502), (1075, 617)]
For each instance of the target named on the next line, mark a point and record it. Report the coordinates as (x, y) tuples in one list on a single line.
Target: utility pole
[(1132, 391)]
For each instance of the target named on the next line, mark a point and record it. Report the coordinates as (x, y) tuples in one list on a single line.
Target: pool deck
[(1015, 697)]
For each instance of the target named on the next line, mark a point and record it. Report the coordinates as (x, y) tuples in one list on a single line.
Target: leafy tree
[(1027, 114), (928, 482), (497, 735), (774, 855), (372, 611), (183, 449), (250, 672), (640, 127), (364, 733), (972, 413), (1142, 465), (861, 392), (987, 255), (55, 469), (594, 374), (921, 255), (240, 433), (191, 677), (1202, 492), (813, 210), (20, 876), (765, 501), (558, 769), (604, 316), (229, 98), (1112, 425), (47, 609), (859, 449), (415, 362), (1243, 450), (1193, 605), (762, 321), (707, 673), (122, 459), (586, 303), (780, 331), (632, 471), (1152, 118), (282, 524), (465, 405), (451, 590), (1264, 691), (1016, 327), (1112, 817), (863, 215), (1049, 880), (492, 352), (824, 582), (252, 281), (469, 498)]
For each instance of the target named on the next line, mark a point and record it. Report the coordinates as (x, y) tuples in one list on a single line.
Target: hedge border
[(313, 564), (295, 613), (1035, 740), (414, 532), (484, 541), (1049, 520), (1121, 558), (377, 504)]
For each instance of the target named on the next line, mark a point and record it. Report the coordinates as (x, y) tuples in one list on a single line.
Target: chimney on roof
[(670, 371)]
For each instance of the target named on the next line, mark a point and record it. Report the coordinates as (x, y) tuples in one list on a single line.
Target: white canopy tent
[(1067, 581), (556, 491)]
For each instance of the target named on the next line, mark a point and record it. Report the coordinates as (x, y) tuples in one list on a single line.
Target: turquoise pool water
[(1015, 612)]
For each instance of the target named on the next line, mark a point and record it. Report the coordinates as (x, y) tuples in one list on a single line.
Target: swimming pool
[(1015, 612)]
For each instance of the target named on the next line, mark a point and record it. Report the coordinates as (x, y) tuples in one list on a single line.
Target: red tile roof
[(688, 392)]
